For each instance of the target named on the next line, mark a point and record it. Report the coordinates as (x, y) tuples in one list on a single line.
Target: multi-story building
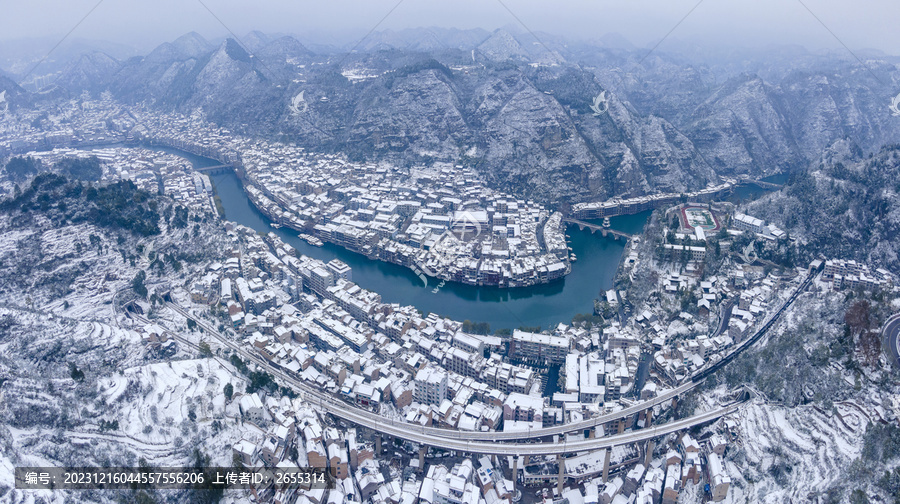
[(746, 223), (539, 347), (458, 361), (339, 269), (672, 484), (523, 408), (692, 253), (851, 274), (468, 343), (320, 279), (430, 385), (338, 460)]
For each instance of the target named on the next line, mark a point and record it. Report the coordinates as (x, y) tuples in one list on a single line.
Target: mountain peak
[(256, 39), (192, 44), (284, 47), (234, 50), (501, 46), (90, 71)]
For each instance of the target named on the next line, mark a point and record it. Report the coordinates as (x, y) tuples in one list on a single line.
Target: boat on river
[(312, 240)]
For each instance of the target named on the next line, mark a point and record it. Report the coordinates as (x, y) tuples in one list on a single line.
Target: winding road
[(493, 442), (461, 440), (433, 431), (487, 442), (890, 334)]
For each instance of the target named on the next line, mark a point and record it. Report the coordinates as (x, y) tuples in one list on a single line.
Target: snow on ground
[(45, 329), (112, 387), (165, 396), (789, 453), (9, 240), (7, 472), (119, 427), (677, 328)]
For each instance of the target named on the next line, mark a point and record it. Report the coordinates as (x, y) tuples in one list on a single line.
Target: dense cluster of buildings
[(78, 123), (301, 315), (441, 220), (307, 318), (283, 433), (686, 463)]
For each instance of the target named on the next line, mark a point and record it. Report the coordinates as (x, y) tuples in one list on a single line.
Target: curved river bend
[(540, 305)]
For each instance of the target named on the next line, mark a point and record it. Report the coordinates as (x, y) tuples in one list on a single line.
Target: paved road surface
[(643, 372), (429, 434), (891, 335), (448, 433), (725, 317), (423, 435)]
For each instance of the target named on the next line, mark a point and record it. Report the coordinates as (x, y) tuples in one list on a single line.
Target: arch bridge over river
[(544, 305), (607, 231)]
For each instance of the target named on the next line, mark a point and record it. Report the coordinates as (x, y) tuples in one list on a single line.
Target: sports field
[(692, 217)]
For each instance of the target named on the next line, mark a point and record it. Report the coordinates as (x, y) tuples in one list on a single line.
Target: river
[(540, 305)]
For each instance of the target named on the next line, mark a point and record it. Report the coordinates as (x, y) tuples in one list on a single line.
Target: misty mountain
[(19, 57), (284, 54), (838, 102), (518, 112), (502, 46), (743, 128), (847, 205), (93, 70), (255, 39), (192, 45), (13, 96), (184, 75)]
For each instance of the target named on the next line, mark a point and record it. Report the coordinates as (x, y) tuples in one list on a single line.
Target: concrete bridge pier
[(422, 451), (648, 457), (606, 465), (515, 472), (378, 444), (562, 471)]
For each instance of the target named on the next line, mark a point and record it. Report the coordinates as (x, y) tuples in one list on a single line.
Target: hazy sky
[(144, 24)]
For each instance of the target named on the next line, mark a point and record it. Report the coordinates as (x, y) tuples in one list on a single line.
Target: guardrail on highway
[(373, 420)]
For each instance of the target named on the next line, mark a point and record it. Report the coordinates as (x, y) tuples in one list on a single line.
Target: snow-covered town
[(441, 221), (236, 346)]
